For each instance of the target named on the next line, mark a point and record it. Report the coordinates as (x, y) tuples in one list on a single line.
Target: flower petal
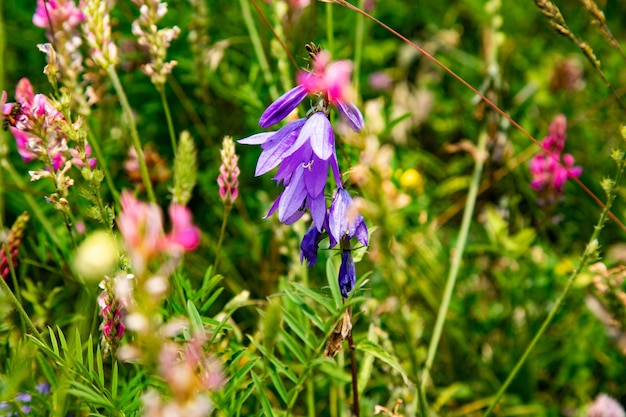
[(257, 139), (317, 207), (293, 198), (320, 133), (284, 105), (351, 114), (338, 215), (280, 146), (315, 176)]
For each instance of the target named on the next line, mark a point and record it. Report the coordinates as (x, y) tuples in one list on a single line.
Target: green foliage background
[(516, 263)]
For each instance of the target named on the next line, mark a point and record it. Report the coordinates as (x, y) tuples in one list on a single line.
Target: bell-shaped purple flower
[(345, 221), (309, 246), (347, 273)]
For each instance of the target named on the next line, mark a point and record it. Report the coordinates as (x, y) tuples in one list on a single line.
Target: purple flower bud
[(309, 246), (347, 273)]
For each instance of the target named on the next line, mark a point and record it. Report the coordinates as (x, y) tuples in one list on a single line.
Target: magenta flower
[(551, 172)]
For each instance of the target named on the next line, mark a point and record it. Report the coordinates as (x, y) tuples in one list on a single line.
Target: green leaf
[(78, 347), (378, 352), (293, 346), (265, 402), (114, 378), (194, 318), (322, 298), (297, 328), (331, 276), (306, 309), (278, 384)]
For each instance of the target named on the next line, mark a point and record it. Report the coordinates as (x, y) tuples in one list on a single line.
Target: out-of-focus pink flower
[(551, 172), (330, 79), (605, 406), (184, 235), (141, 226), (58, 14), (380, 81)]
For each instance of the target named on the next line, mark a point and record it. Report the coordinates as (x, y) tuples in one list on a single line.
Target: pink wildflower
[(184, 235), (550, 172), (141, 226), (40, 129), (229, 172), (332, 79), (605, 406), (60, 14)]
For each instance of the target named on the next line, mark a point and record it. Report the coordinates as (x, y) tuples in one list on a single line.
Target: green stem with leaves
[(457, 256), (145, 176), (590, 253)]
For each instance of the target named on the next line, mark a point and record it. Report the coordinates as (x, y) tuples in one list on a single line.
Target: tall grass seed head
[(185, 170)]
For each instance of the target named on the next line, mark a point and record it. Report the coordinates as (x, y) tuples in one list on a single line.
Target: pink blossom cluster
[(40, 130), (56, 15), (112, 312), (327, 77), (229, 172), (551, 171), (141, 226)]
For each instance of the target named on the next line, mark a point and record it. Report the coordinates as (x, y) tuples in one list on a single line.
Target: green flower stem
[(18, 306), (95, 144), (133, 131), (43, 219), (457, 255), (227, 208), (585, 258), (258, 47), (168, 117), (330, 32)]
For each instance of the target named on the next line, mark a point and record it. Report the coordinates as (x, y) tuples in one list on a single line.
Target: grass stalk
[(168, 117), (16, 303), (457, 256), (255, 38), (145, 176)]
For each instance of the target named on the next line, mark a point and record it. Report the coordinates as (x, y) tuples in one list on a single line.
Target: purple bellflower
[(304, 150)]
